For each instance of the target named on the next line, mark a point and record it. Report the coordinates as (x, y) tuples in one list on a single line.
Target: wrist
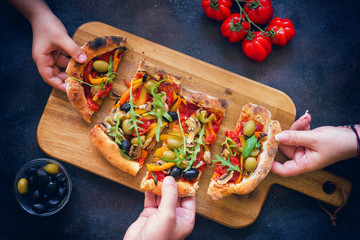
[(350, 143), (40, 15), (356, 130)]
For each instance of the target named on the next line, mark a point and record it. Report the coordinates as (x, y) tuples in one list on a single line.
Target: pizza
[(185, 150), (135, 122), (248, 153), (88, 83)]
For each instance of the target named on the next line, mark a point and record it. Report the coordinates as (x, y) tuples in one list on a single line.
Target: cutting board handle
[(321, 185)]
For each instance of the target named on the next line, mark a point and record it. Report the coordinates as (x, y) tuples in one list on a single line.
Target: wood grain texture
[(63, 134)]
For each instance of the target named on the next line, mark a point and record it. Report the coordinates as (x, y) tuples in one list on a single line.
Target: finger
[(62, 61), (48, 74), (188, 203), (150, 200), (57, 83), (63, 52), (296, 138), (62, 75), (288, 151), (303, 123), (72, 49), (55, 54), (169, 196), (287, 169), (299, 164), (158, 200)]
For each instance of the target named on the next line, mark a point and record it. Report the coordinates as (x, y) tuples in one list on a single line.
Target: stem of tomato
[(265, 33), (256, 4), (214, 4)]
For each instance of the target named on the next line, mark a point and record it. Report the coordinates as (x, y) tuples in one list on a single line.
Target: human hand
[(51, 48), (310, 150), (166, 217)]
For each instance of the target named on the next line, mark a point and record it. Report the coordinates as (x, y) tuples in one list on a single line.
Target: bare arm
[(310, 150), (51, 42), (166, 217)]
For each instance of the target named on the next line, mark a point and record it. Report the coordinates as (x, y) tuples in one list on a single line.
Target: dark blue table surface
[(318, 69)]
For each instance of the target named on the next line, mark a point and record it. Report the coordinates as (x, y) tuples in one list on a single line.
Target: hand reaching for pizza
[(51, 42), (166, 217), (310, 150)]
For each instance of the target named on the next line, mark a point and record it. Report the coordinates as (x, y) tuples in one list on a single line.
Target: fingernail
[(305, 114), (82, 57), (169, 180), (282, 137)]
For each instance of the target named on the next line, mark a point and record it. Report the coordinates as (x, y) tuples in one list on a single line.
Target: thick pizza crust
[(74, 89), (155, 72), (217, 191), (110, 151), (265, 159), (185, 189), (204, 100)]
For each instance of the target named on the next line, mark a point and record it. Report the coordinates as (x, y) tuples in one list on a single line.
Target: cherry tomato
[(256, 46), (259, 11), (283, 31), (217, 9), (234, 28)]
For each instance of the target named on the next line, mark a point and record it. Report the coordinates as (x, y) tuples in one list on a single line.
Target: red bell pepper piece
[(93, 105)]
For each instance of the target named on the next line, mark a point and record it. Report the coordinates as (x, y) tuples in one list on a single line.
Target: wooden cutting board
[(63, 134)]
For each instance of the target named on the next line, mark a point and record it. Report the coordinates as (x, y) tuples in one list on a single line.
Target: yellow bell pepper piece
[(159, 152), (240, 166), (116, 60), (142, 97), (242, 141), (126, 95), (97, 80), (176, 105), (163, 167)]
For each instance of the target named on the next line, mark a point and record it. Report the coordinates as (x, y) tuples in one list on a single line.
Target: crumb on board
[(228, 91)]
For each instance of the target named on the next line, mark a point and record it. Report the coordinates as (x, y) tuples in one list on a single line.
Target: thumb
[(69, 46), (169, 196), (296, 138)]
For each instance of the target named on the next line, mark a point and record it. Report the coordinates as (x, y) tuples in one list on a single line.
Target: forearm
[(31, 9), (356, 131)]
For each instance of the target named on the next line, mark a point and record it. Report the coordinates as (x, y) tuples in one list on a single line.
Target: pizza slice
[(248, 153), (135, 122), (185, 150), (88, 83)]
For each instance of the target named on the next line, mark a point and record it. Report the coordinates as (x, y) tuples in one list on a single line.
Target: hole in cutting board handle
[(329, 187)]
